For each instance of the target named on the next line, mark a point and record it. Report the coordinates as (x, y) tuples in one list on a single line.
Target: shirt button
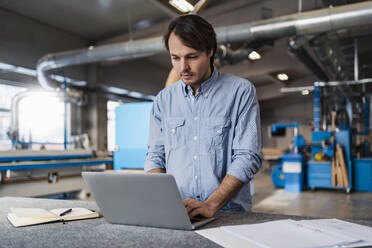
[(192, 99), (173, 130), (195, 137), (196, 177), (195, 157), (206, 94), (219, 131), (196, 118)]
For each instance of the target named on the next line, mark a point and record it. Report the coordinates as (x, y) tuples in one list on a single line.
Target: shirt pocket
[(218, 129), (175, 131)]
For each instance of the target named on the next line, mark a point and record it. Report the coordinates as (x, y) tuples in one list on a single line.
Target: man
[(205, 128)]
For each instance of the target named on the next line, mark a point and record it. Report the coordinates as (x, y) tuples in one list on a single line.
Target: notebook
[(32, 216), (140, 199)]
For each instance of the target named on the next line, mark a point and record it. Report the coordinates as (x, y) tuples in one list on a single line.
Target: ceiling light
[(254, 55), (282, 77), (90, 47), (182, 5), (305, 92)]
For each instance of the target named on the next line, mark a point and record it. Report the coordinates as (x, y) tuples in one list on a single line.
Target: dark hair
[(195, 32)]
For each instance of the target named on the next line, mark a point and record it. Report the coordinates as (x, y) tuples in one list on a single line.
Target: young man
[(204, 129)]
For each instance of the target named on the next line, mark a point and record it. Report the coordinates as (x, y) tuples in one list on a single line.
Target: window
[(7, 92), (111, 105), (41, 121)]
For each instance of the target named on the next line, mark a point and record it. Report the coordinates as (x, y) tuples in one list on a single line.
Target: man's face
[(191, 65)]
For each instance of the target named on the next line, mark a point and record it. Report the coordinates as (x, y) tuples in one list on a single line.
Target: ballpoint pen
[(65, 212)]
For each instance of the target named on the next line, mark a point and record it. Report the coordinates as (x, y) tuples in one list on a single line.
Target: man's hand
[(195, 208), (229, 187)]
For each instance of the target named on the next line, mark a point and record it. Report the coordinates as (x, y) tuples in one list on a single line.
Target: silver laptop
[(140, 199)]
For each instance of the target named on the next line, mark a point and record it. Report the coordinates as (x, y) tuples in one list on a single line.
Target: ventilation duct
[(312, 22)]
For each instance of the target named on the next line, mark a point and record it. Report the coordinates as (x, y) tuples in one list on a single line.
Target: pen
[(65, 212)]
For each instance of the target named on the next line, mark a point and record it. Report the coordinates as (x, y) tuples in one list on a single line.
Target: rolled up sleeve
[(155, 157), (247, 141)]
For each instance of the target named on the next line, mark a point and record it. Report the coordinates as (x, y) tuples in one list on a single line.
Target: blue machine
[(290, 173), (132, 127)]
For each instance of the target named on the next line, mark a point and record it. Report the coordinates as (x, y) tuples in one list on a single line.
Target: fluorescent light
[(305, 92), (282, 77), (90, 47), (182, 5), (254, 55)]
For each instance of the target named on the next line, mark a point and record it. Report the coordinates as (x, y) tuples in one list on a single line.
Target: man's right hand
[(157, 170)]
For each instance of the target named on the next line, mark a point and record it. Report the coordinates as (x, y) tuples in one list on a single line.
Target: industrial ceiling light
[(282, 77), (305, 92), (254, 55), (182, 5)]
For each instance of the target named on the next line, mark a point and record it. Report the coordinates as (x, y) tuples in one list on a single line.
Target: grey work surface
[(99, 233)]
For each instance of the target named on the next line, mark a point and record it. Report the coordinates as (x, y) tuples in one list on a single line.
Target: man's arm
[(155, 159), (156, 170), (246, 159), (229, 187)]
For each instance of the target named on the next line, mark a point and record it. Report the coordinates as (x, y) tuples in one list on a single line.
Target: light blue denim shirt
[(199, 139)]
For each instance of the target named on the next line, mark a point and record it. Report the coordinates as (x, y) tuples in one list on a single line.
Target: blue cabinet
[(362, 174), (131, 135), (319, 174)]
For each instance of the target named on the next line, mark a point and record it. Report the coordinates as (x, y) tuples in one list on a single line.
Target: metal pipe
[(303, 56), (324, 84), (123, 50), (356, 60), (317, 114), (312, 22)]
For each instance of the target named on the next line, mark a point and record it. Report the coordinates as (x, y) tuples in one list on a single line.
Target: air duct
[(312, 22)]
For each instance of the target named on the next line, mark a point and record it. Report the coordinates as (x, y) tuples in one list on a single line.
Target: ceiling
[(107, 21)]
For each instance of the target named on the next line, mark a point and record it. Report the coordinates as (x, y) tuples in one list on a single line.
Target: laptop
[(140, 199)]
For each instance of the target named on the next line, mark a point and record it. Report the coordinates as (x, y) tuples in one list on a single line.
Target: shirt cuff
[(240, 169)]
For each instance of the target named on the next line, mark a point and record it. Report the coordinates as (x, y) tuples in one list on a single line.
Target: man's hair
[(195, 32)]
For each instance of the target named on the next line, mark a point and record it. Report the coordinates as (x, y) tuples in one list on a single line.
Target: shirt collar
[(204, 87)]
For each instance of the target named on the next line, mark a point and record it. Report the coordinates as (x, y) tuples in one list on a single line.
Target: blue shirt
[(199, 139)]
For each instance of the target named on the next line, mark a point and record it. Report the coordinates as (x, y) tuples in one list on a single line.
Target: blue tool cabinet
[(319, 174), (131, 135)]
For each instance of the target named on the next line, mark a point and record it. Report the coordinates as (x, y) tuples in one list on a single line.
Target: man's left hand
[(195, 208)]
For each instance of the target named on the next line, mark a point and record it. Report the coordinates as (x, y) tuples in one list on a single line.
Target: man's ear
[(210, 53)]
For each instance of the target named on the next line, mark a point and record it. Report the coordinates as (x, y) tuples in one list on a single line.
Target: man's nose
[(184, 65)]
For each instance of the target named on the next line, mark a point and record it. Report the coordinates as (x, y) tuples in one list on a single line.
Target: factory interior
[(78, 80)]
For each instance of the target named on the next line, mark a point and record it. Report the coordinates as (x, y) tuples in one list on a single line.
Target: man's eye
[(192, 57), (175, 58)]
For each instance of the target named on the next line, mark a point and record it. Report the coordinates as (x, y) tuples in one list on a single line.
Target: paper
[(225, 239), (74, 212), (344, 228), (288, 233), (321, 233), (31, 212)]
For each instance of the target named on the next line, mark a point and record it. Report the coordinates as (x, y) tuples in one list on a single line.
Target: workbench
[(99, 233)]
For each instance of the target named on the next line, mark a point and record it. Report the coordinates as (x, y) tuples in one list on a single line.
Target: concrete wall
[(24, 41), (138, 75)]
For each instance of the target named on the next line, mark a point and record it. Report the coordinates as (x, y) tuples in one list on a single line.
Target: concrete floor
[(318, 203)]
